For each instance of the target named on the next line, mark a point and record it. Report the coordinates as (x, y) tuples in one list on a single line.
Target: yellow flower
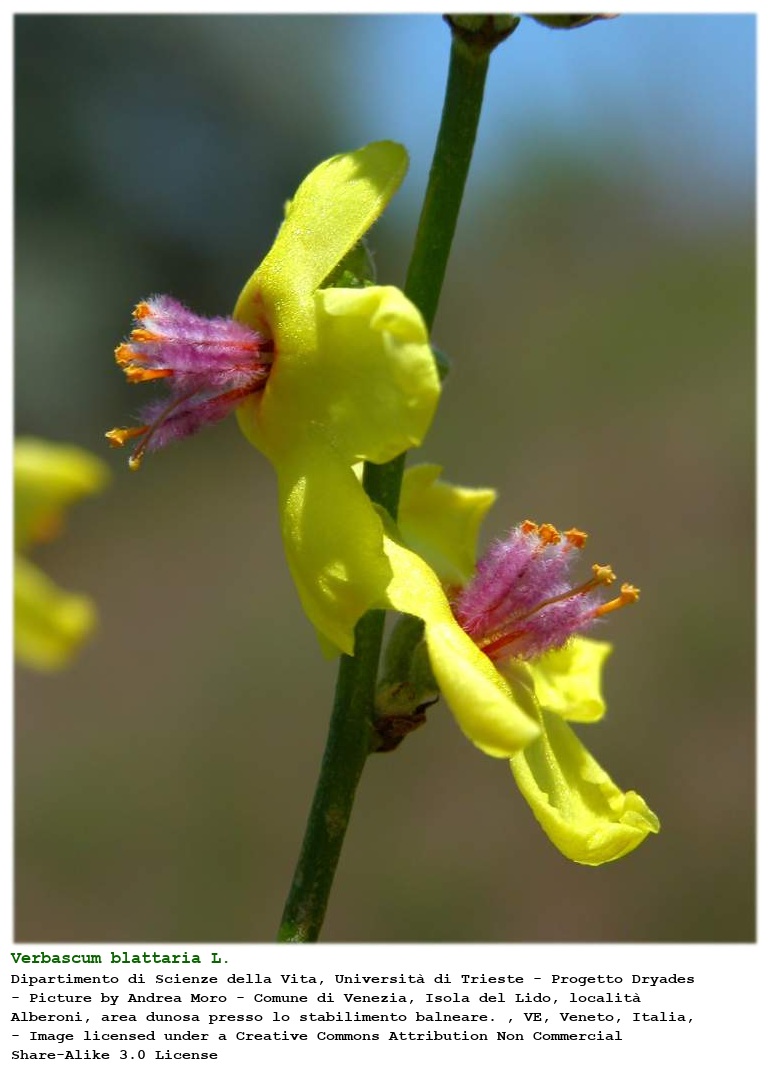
[(353, 379), (50, 624), (510, 673), (323, 377)]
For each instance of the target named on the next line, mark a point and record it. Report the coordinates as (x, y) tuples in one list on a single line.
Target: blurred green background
[(599, 310)]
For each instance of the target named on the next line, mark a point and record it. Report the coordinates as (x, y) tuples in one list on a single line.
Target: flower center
[(521, 602), (209, 366)]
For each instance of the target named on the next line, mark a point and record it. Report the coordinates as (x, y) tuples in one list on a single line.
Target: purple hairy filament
[(521, 602), (209, 364)]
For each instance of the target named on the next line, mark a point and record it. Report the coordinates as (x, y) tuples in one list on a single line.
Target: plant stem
[(446, 182), (438, 220), (347, 748), (350, 731)]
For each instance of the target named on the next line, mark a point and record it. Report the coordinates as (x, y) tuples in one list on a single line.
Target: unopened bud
[(568, 22), (407, 688), (482, 33)]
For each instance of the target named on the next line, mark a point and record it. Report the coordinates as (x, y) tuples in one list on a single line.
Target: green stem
[(350, 730), (446, 182), (438, 220), (347, 748)]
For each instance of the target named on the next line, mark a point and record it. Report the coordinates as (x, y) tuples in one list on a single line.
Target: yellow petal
[(567, 681), (334, 206), (50, 625), (353, 378), (584, 814), (332, 537), (375, 383), (440, 521), (496, 716), (370, 380)]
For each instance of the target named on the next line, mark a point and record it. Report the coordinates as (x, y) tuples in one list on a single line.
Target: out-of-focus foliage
[(602, 344)]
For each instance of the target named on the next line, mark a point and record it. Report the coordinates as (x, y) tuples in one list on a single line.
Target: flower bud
[(482, 33), (407, 687), (568, 22)]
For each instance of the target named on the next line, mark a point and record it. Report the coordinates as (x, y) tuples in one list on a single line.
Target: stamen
[(118, 437), (603, 575), (135, 458), (135, 374), (629, 594), (522, 603), (489, 648), (201, 357), (548, 534), (124, 354), (577, 538)]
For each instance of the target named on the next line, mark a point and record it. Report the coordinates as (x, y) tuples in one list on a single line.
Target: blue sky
[(677, 90)]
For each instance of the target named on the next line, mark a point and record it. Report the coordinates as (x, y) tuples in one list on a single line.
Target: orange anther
[(124, 354), (118, 437), (144, 335), (528, 527), (576, 537), (135, 374), (548, 534), (142, 310), (603, 575)]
